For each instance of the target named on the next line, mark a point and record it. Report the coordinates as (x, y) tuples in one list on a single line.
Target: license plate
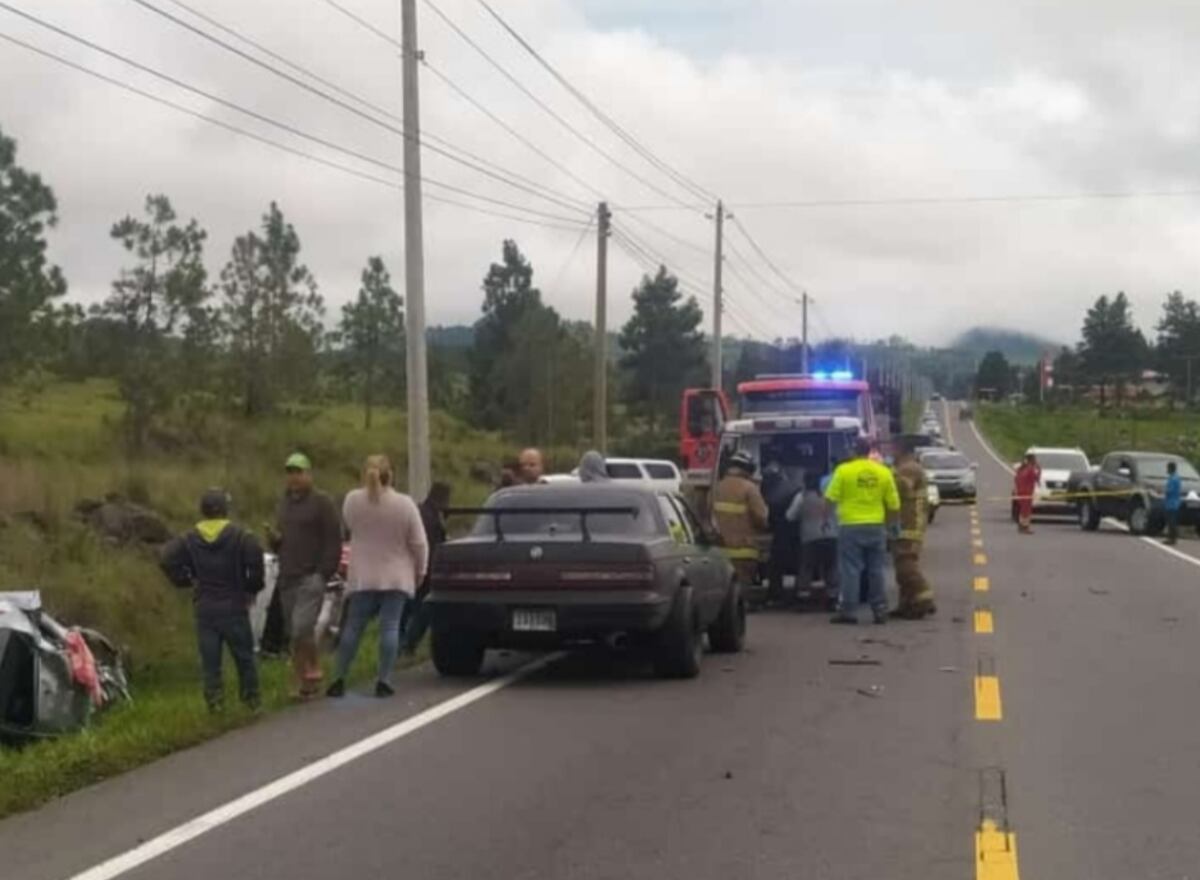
[(534, 620)]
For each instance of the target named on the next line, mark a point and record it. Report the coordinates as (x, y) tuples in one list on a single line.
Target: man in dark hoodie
[(225, 566)]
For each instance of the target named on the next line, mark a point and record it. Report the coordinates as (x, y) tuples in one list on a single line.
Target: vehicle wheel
[(679, 647), (727, 635), (1089, 516), (456, 654), (1139, 519)]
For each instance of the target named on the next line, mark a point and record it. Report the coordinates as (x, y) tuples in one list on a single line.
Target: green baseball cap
[(297, 461)]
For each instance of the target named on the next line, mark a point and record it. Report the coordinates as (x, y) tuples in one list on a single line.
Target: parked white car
[(1057, 464), (657, 472)]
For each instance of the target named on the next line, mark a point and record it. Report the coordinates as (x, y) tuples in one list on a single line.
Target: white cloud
[(760, 101)]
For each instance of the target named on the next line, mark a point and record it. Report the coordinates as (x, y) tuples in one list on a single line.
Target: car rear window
[(661, 471), (555, 519), (942, 462), (622, 471)]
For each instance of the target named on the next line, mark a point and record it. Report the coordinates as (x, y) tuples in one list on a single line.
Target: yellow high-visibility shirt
[(864, 491)]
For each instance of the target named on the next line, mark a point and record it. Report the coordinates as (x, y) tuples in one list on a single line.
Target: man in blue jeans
[(864, 492), (224, 564), (1172, 501)]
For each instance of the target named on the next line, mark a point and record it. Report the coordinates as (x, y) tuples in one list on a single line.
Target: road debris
[(875, 691), (861, 661), (1095, 591), (947, 669), (887, 643)]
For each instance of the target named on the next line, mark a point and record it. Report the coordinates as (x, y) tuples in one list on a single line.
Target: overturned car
[(52, 677)]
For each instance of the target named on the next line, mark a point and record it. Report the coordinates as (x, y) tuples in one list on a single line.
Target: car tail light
[(470, 577), (636, 575)]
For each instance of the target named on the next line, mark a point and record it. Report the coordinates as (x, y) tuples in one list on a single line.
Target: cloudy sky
[(921, 105)]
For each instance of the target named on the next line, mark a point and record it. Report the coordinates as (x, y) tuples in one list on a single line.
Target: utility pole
[(804, 333), (718, 374), (414, 261), (600, 399)]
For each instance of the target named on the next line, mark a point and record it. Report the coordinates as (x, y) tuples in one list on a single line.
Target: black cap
[(214, 503)]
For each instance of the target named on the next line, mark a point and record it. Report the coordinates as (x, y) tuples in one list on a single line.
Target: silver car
[(951, 472)]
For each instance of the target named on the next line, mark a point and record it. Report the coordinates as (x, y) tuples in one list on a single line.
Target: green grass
[(1011, 430), (65, 445)]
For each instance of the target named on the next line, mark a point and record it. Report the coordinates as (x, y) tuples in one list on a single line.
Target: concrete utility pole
[(414, 261), (718, 374), (804, 333), (600, 399)]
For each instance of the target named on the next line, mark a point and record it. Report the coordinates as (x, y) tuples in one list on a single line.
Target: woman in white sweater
[(388, 557)]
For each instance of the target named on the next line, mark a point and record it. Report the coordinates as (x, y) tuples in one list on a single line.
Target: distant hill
[(1017, 347)]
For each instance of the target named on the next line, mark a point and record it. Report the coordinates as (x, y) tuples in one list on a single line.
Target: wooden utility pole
[(414, 261), (718, 373), (600, 398)]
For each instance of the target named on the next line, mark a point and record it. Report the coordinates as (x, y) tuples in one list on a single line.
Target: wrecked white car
[(53, 678)]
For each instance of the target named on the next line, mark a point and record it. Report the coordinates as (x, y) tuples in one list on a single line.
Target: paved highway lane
[(1052, 703), (1095, 651), (774, 763)]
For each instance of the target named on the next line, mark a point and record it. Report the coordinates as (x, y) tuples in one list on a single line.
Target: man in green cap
[(308, 539)]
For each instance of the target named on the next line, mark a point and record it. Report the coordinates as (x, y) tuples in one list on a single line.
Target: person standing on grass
[(308, 539), (224, 564), (433, 519), (1172, 502), (1025, 484), (389, 555)]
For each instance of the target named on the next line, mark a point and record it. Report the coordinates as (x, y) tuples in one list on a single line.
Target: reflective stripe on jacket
[(740, 514)]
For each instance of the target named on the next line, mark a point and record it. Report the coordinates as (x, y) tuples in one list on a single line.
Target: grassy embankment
[(65, 446), (1012, 430)]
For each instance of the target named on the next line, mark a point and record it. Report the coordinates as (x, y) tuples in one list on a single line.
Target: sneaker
[(337, 689), (383, 689), (844, 619)]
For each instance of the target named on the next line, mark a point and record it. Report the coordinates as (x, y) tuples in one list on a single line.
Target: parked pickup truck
[(1128, 486)]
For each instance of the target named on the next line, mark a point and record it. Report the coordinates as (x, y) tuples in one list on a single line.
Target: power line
[(212, 22), (571, 256), (959, 200), (362, 22), (768, 308), (766, 259), (737, 255), (272, 143), (680, 179), (465, 37), (387, 126), (657, 258)]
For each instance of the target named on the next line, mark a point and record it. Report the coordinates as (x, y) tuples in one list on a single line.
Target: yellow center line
[(995, 853), (980, 559), (982, 584), (987, 698), (984, 625)]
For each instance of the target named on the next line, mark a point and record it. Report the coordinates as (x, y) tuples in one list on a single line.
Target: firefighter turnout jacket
[(741, 514), (913, 488)]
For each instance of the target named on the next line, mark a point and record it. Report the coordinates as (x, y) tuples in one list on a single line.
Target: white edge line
[(1178, 554), (226, 813)]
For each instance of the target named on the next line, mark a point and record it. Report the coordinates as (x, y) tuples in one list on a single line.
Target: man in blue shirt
[(1172, 501)]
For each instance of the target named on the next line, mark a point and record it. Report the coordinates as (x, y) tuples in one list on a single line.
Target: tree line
[(1112, 354), (259, 336)]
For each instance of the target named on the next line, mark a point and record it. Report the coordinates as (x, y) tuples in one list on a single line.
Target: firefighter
[(741, 515), (916, 596)]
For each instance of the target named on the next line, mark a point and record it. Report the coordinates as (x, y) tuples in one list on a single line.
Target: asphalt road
[(1072, 728)]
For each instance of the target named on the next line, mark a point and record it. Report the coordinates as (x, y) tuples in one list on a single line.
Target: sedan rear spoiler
[(496, 513)]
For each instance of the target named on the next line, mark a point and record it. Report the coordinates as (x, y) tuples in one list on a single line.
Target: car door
[(1109, 483), (689, 561), (711, 564)]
